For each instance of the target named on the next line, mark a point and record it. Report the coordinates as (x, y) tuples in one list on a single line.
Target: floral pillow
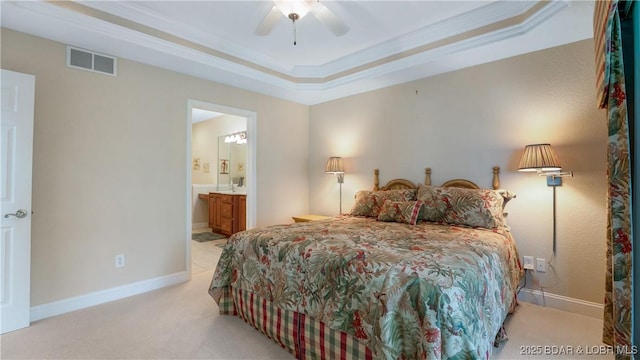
[(459, 206), (434, 207), (400, 211), (369, 203)]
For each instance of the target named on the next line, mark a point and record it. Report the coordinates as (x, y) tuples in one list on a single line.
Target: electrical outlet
[(541, 265), (528, 262), (120, 260)]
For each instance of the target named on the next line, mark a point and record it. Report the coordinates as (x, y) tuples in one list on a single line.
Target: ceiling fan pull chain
[(293, 16), (294, 34)]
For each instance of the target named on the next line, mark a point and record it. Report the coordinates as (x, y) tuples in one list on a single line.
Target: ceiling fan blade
[(329, 19), (269, 21)]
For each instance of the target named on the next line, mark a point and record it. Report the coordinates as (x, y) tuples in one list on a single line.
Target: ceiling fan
[(296, 10)]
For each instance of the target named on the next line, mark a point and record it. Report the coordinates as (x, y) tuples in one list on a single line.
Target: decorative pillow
[(400, 211), (459, 206), (433, 206), (368, 203)]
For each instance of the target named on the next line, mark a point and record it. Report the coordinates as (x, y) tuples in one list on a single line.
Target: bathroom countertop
[(205, 196)]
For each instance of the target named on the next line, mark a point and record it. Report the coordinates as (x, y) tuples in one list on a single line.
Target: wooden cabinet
[(227, 213), (242, 213), (214, 212)]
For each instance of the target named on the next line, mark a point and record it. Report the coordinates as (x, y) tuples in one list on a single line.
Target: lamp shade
[(334, 165), (539, 157)]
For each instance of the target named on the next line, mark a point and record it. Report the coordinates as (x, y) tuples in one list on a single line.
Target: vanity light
[(238, 138)]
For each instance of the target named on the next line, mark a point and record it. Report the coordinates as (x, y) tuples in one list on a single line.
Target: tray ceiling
[(388, 42)]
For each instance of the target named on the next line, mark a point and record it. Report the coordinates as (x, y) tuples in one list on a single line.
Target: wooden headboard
[(408, 184)]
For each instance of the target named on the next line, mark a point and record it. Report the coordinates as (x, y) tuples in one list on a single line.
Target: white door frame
[(18, 102), (252, 134)]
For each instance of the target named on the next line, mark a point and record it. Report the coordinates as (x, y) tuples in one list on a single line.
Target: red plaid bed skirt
[(301, 335)]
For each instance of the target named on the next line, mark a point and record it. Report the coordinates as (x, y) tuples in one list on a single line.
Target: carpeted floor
[(182, 322), (177, 322), (206, 236)]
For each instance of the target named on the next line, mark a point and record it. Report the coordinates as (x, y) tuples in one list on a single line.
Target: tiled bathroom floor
[(204, 255)]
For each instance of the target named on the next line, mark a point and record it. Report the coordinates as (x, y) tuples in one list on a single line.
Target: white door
[(16, 155)]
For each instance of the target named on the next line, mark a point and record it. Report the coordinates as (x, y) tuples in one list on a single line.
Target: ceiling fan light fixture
[(295, 10), (296, 7)]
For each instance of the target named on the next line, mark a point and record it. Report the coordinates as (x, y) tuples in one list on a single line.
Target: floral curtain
[(618, 300)]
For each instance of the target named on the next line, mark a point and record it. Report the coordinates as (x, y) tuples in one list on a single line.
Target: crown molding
[(426, 52), (436, 52), (321, 74), (134, 12), (447, 28)]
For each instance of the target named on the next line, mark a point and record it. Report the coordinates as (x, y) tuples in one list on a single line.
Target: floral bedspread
[(408, 291)]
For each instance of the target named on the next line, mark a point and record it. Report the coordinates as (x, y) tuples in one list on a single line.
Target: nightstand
[(309, 217)]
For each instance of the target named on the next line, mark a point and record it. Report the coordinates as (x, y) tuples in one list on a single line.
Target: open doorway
[(221, 158)]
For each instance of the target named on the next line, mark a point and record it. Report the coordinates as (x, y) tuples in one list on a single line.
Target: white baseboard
[(200, 225), (39, 312), (576, 306), (44, 311)]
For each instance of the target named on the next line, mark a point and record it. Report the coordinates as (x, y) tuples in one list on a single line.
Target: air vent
[(92, 61)]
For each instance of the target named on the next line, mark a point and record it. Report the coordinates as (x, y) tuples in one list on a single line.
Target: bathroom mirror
[(232, 159)]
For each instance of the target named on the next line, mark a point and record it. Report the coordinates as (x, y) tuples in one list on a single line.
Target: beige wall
[(110, 158), (110, 167), (461, 124)]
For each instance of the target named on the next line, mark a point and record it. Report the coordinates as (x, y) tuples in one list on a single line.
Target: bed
[(413, 272)]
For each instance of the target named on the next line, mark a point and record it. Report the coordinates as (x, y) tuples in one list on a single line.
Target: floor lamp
[(542, 158), (334, 166)]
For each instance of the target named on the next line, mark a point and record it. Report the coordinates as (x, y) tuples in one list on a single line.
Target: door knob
[(19, 214)]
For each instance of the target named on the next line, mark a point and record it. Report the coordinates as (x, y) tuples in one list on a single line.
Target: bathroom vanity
[(227, 211)]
